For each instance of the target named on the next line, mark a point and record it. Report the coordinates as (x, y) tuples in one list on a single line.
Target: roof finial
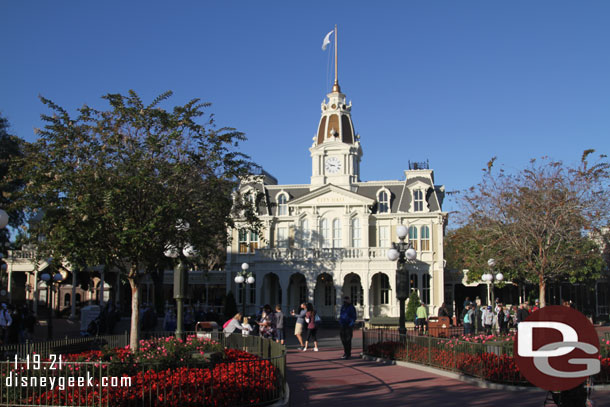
[(336, 87)]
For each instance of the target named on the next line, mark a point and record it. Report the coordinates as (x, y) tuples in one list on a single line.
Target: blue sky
[(455, 82)]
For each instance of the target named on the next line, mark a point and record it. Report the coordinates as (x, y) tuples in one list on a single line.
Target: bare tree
[(537, 222)]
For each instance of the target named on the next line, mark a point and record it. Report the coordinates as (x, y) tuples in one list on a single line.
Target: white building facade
[(328, 239)]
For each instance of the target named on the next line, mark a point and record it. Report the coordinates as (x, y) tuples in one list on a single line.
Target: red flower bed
[(241, 378), (488, 366)]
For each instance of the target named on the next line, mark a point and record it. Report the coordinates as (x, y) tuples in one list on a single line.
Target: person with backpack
[(347, 320), (312, 328)]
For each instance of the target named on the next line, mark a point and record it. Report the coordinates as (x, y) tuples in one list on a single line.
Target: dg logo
[(557, 348)]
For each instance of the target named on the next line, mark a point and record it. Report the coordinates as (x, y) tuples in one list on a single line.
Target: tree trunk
[(135, 314), (542, 292)]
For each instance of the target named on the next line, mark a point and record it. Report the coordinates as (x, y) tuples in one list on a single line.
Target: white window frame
[(282, 237), (325, 233), (251, 241), (386, 203), (384, 236), (424, 241), (411, 231), (356, 232), (336, 233), (282, 207), (305, 232)]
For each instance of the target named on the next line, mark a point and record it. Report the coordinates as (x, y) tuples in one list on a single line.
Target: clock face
[(333, 165)]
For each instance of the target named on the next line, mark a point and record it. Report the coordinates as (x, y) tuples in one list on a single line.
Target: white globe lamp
[(401, 231), (393, 254), (411, 254)]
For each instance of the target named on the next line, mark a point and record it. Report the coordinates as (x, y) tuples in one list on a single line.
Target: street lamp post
[(402, 251), (52, 280), (179, 283), (244, 277), (490, 278)]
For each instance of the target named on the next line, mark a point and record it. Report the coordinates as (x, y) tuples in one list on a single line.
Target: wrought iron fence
[(30, 379), (492, 361)]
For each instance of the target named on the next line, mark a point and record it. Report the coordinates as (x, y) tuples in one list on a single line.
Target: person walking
[(300, 324), (522, 314), (421, 318), (488, 319), (347, 320), (503, 320), (312, 329), (279, 324)]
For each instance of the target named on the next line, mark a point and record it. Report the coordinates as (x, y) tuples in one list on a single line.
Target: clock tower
[(336, 151)]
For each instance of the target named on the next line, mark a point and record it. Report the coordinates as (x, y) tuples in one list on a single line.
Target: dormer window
[(418, 200), (282, 205), (383, 199)]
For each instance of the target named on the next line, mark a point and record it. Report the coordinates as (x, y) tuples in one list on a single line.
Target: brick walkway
[(323, 379)]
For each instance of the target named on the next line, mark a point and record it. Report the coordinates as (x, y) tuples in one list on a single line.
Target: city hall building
[(328, 239)]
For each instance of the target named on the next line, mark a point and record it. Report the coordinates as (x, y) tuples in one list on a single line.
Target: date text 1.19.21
[(33, 362)]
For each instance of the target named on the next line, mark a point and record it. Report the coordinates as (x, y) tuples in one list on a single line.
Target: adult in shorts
[(300, 324)]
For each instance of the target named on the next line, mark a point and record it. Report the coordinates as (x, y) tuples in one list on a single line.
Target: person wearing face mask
[(347, 320)]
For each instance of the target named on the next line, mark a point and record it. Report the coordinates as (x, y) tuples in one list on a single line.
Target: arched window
[(304, 233), (282, 205), (418, 200), (356, 233), (325, 233), (66, 300), (336, 233), (425, 289), (425, 238), (413, 236), (384, 202)]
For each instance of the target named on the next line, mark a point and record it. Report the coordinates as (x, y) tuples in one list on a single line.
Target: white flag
[(326, 40)]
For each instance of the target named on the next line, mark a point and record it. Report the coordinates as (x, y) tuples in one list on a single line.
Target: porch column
[(73, 296), (102, 282), (366, 287)]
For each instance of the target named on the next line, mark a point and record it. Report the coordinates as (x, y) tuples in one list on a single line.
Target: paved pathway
[(323, 379)]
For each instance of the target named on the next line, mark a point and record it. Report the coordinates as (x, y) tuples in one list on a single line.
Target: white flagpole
[(336, 87)]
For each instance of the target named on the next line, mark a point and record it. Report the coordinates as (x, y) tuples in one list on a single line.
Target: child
[(246, 327)]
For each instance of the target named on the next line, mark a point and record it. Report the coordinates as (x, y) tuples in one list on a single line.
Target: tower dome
[(336, 121)]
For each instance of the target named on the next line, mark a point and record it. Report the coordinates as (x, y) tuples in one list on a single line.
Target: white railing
[(349, 253)]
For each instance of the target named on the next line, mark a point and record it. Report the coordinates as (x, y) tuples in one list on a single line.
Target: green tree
[(123, 186), (412, 306), (230, 305), (536, 223), (11, 149)]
